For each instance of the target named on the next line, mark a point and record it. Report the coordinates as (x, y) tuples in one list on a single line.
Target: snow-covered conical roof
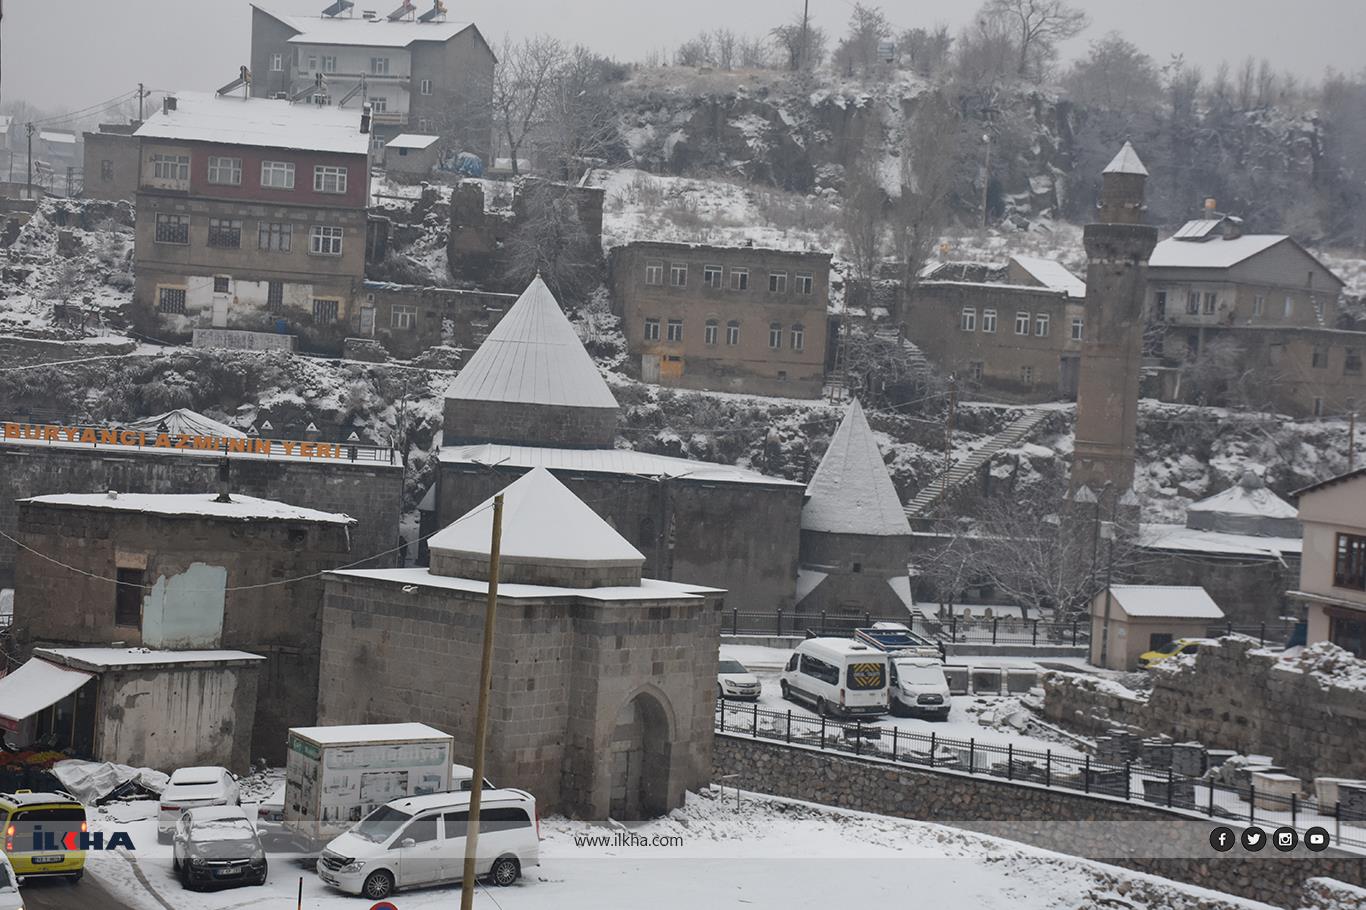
[(1126, 162), (851, 491), (543, 524), (533, 356), (1247, 507), (184, 422)]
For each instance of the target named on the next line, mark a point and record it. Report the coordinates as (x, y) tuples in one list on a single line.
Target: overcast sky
[(73, 53)]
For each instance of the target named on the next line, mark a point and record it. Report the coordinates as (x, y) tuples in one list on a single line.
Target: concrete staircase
[(964, 471)]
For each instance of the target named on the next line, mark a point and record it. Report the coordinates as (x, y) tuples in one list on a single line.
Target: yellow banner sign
[(141, 439)]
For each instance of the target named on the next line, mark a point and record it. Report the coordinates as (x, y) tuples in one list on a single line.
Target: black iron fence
[(997, 631), (1063, 769), (1275, 634)]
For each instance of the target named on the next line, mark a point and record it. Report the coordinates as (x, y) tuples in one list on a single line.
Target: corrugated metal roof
[(259, 122), (533, 356), (606, 461), (1218, 253), (851, 491)]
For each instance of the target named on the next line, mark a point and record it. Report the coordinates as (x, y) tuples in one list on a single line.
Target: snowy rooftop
[(369, 734), (411, 141), (1246, 498), (1126, 162), (358, 31), (187, 422), (260, 122), (533, 356), (1166, 601), (1052, 274), (51, 136), (1215, 253), (1216, 543), (851, 491), (242, 508), (115, 658), (605, 461), (37, 685), (648, 589), (542, 521)]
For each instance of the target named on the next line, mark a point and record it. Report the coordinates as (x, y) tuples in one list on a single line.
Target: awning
[(35, 686)]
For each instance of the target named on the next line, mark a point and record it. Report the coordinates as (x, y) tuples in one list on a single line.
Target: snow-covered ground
[(768, 853)]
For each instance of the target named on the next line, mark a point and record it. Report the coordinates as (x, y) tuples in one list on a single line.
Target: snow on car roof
[(356, 734), (206, 505), (258, 122)]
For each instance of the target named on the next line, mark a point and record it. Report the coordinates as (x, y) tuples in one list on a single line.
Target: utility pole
[(29, 194), (141, 95), (948, 438), (1352, 440), (468, 882), (986, 176), (801, 50)]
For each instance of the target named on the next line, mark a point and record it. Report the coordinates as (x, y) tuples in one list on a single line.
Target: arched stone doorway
[(641, 759)]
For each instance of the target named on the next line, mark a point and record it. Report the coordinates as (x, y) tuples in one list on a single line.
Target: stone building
[(111, 163), (531, 396), (251, 216), (409, 319), (1332, 582), (1015, 331), (191, 573), (1146, 617), (411, 156), (1117, 250), (604, 682), (729, 319), (856, 541), (418, 71)]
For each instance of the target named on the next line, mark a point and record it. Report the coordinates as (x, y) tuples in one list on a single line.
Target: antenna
[(337, 8), (437, 13), (403, 12)]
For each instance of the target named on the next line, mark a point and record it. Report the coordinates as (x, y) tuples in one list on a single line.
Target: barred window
[(275, 297), (171, 300), (325, 310), (225, 233), (173, 229)]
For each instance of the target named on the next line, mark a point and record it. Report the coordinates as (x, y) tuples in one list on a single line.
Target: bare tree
[(549, 239), (580, 118), (863, 217), (986, 55), (803, 47), (926, 50), (522, 87), (1266, 84), (1039, 26), (723, 39), (882, 367), (754, 53), (929, 164), (1247, 82)]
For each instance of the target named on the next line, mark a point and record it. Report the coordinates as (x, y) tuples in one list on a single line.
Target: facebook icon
[(1221, 839)]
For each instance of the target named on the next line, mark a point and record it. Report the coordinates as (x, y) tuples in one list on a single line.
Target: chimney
[(1210, 206), (224, 478), (112, 494), (168, 104), (365, 118)]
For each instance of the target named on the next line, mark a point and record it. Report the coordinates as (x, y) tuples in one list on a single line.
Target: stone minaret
[(1117, 251)]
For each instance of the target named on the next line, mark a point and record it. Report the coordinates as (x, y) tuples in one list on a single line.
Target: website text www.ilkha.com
[(627, 839)]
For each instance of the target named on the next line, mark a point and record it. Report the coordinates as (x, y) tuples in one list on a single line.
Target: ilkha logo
[(78, 840)]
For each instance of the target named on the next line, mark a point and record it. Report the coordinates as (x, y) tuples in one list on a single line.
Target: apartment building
[(418, 71), (251, 216), (1333, 568), (729, 319), (1013, 331)]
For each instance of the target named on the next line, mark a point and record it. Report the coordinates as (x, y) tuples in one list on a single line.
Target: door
[(367, 321), (649, 368), (1069, 375), (220, 311), (455, 825), (419, 852)]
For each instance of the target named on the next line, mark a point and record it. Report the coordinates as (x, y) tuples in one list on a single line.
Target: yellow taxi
[(1171, 649), (42, 820)]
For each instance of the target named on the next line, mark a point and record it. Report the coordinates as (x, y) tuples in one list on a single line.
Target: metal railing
[(996, 631), (1276, 634), (1132, 781)]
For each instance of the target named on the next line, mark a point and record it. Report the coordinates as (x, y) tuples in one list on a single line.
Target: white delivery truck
[(335, 776)]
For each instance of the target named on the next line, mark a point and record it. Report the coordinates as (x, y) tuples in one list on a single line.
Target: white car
[(191, 787), (9, 886), (420, 840), (270, 812), (920, 687), (734, 681)]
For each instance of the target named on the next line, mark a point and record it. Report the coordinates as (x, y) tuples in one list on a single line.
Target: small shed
[(413, 154), (1144, 617)]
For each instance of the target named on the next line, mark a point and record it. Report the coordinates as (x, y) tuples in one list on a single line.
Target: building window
[(1318, 407), (678, 275), (975, 370), (424, 125), (425, 87), (325, 310), (106, 169), (654, 273), (777, 282), (968, 320), (171, 300), (275, 297), (173, 229), (710, 332), (275, 235), (329, 63), (806, 283), (1289, 306), (798, 337), (1351, 363), (711, 276), (1021, 323), (1319, 357), (378, 104), (675, 330), (312, 62), (989, 321), (128, 597), (403, 317), (739, 279), (277, 63), (329, 179), (1041, 325), (1210, 300), (733, 332), (225, 171), (1349, 565), (379, 66), (324, 240), (1027, 375), (1160, 303), (775, 335), (1258, 305), (222, 284), (1078, 329), (277, 175), (652, 330), (171, 167), (225, 233), (1193, 303)]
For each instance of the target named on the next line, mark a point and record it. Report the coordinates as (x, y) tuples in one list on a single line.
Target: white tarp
[(37, 685), (91, 781)]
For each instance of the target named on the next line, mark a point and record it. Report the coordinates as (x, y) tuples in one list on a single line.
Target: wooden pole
[(467, 880)]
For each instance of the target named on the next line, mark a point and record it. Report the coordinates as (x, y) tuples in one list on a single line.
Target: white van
[(919, 686), (837, 676), (420, 840)]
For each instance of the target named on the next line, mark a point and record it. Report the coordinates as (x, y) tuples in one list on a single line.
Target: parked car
[(57, 813), (9, 886), (192, 787), (462, 778), (837, 676), (1171, 649), (734, 681), (420, 840), (270, 812), (920, 687), (217, 846)]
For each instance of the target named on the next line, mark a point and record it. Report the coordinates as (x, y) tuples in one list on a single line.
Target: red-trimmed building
[(251, 216)]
